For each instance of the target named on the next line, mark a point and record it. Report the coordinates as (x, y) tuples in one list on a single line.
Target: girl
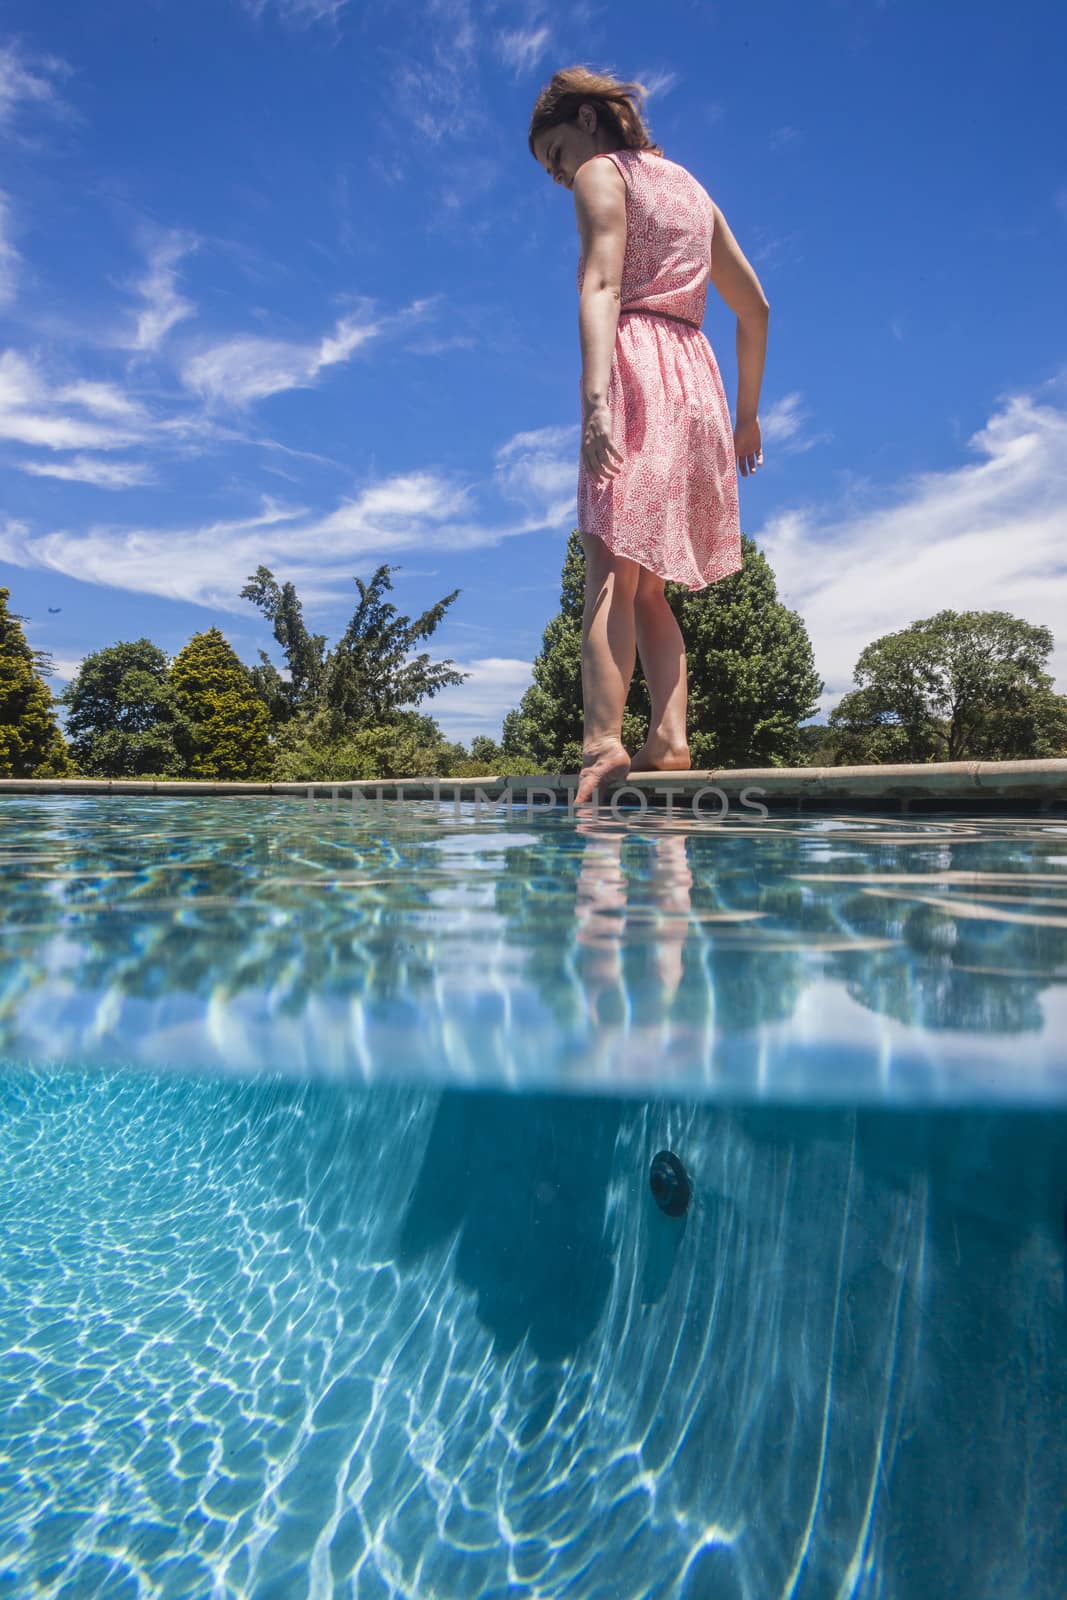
[(657, 476)]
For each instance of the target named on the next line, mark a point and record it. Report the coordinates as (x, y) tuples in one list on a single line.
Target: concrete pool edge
[(1041, 784)]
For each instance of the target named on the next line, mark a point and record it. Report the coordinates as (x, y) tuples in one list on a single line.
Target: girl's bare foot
[(657, 755), (606, 761)]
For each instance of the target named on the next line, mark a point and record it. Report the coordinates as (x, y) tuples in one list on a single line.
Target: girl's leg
[(600, 922), (662, 651), (609, 655)]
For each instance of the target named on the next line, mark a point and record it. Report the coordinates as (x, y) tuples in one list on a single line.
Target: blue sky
[(280, 283)]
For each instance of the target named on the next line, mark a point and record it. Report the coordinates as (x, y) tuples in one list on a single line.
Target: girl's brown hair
[(618, 106)]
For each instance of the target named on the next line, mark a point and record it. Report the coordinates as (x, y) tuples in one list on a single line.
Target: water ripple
[(646, 952)]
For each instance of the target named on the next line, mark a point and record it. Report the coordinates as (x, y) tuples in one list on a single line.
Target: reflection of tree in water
[(949, 970), (959, 963), (273, 905), (614, 921)]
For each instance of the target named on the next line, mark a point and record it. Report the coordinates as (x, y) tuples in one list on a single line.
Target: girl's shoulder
[(648, 161)]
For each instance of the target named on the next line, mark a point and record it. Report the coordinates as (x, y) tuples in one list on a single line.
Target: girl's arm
[(733, 277), (600, 206)]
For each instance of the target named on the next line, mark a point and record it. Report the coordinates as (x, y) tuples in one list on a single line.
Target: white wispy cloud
[(241, 370), (440, 346), (65, 668), (781, 425), (9, 256), (772, 251), (522, 48), (32, 412), (657, 84), (782, 420), (164, 305), (299, 13), (103, 399), (92, 470), (539, 468), (30, 82), (985, 535), (439, 65), (413, 511), (131, 557), (35, 411), (416, 511), (480, 704), (783, 136)]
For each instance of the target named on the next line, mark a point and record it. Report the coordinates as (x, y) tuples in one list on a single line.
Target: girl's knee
[(601, 564), (649, 586)]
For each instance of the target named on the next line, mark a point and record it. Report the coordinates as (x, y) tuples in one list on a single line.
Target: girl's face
[(562, 150)]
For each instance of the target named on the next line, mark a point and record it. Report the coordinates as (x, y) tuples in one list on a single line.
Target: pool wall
[(1034, 787)]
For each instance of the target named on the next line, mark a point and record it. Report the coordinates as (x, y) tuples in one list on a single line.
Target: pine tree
[(302, 691), (224, 722), (369, 678), (31, 744)]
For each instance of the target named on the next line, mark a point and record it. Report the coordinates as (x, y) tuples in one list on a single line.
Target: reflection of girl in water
[(605, 926)]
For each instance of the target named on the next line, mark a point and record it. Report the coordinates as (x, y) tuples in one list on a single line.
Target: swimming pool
[(331, 1264)]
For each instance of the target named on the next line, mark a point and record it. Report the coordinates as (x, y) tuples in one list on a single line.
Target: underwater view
[(451, 1206)]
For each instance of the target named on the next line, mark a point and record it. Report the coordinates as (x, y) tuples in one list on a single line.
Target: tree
[(224, 722), (368, 679), (312, 750), (817, 745), (302, 691), (484, 750), (31, 744), (957, 686), (122, 718), (750, 668)]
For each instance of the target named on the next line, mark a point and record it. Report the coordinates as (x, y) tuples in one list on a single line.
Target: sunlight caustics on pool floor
[(284, 1339)]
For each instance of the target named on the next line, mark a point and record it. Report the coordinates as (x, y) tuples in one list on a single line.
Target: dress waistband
[(645, 311)]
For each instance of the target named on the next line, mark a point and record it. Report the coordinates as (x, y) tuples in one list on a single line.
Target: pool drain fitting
[(670, 1184)]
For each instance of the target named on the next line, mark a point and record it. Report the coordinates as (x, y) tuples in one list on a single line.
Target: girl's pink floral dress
[(673, 505)]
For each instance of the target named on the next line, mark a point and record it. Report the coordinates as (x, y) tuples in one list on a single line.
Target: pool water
[(330, 1264), (854, 959)]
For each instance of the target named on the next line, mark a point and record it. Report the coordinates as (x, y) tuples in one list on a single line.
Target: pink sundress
[(673, 505)]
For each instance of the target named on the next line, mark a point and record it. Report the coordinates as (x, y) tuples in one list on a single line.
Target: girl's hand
[(748, 446), (598, 452)]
